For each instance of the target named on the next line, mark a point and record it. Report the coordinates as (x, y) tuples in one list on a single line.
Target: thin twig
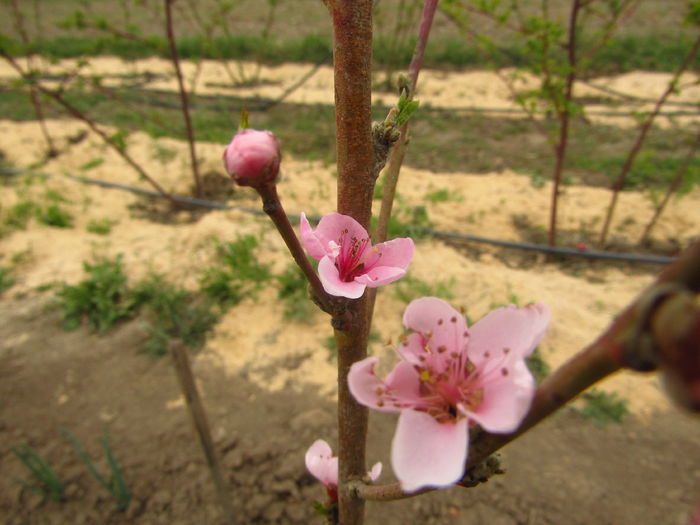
[(33, 96), (391, 174), (75, 112), (183, 95), (632, 155), (564, 116), (673, 187)]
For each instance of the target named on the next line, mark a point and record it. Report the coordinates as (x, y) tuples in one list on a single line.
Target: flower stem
[(272, 206)]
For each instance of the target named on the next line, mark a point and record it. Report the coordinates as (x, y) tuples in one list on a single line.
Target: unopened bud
[(253, 157)]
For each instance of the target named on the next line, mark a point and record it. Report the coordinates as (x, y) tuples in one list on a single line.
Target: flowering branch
[(625, 344), (352, 53)]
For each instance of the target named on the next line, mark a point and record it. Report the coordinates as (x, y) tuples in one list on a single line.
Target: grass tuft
[(603, 408), (101, 300), (47, 483), (239, 272)]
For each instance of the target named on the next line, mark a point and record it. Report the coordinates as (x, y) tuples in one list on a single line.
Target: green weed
[(101, 300), (7, 280), (443, 195), (174, 313), (100, 226), (115, 484), (92, 164), (47, 483), (239, 274), (410, 288), (602, 407), (54, 215), (537, 365), (293, 293), (18, 215)]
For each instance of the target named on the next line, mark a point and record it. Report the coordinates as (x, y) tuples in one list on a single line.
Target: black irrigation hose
[(569, 252), (264, 104)]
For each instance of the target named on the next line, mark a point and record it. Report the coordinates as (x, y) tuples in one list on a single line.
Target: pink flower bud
[(253, 157)]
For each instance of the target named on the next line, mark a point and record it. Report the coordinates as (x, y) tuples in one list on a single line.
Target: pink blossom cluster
[(450, 377)]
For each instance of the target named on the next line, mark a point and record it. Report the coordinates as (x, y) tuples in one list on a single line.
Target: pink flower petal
[(367, 388), (375, 471), (321, 463), (518, 329), (426, 453), (403, 384), (411, 348), (252, 155), (310, 241), (396, 253), (444, 328), (330, 279), (333, 225), (506, 399), (379, 276)]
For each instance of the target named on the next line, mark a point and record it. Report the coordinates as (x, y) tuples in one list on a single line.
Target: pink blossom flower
[(348, 263), (323, 465), (252, 157), (449, 377)]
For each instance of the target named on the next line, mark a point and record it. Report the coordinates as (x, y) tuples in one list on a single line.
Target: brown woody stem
[(184, 102), (646, 126), (75, 112), (352, 53)]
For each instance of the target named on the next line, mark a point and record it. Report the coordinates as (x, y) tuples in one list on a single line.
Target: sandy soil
[(269, 384)]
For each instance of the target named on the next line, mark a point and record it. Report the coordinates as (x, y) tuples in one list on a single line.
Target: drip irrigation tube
[(191, 201), (139, 95)]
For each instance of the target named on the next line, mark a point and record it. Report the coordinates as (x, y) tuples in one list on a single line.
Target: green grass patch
[(603, 408), (238, 273), (173, 313), (293, 292), (7, 280), (443, 195), (100, 300), (105, 298), (54, 215), (100, 226), (409, 288)]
